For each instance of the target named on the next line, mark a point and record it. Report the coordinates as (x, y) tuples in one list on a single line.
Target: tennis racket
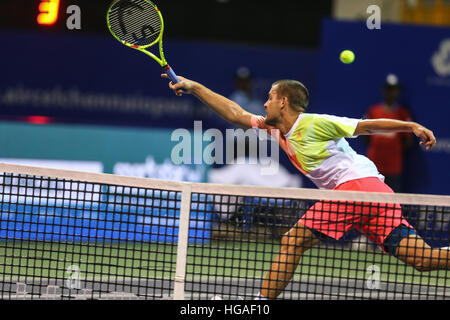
[(139, 24)]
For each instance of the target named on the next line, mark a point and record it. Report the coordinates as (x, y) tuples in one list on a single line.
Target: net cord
[(251, 191), (183, 233)]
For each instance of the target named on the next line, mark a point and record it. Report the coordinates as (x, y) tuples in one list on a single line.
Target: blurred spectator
[(243, 172), (386, 150), (243, 93), (247, 170)]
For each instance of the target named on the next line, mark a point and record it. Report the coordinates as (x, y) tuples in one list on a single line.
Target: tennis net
[(76, 235)]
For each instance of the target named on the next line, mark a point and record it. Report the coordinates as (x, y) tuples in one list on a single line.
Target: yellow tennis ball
[(347, 56)]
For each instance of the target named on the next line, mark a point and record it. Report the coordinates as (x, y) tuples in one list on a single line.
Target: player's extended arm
[(224, 107), (374, 126)]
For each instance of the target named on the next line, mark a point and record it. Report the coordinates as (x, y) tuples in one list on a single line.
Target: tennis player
[(317, 147)]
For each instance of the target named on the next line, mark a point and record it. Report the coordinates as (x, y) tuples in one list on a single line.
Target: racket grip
[(171, 74)]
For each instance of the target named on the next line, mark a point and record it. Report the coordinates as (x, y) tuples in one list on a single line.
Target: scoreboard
[(48, 12), (54, 15)]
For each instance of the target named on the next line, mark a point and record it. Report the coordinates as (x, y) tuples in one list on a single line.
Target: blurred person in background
[(247, 170), (387, 150), (241, 174), (243, 93)]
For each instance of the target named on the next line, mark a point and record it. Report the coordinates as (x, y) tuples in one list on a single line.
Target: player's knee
[(421, 265), (296, 239), (417, 253)]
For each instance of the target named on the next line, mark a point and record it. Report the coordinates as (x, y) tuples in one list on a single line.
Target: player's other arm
[(224, 107), (374, 126)]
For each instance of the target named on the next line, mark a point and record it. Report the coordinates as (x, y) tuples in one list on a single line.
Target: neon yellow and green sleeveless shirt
[(316, 146)]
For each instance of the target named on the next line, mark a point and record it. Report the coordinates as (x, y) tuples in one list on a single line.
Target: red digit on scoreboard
[(48, 12)]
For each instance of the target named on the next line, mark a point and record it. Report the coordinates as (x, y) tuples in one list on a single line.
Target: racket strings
[(136, 22)]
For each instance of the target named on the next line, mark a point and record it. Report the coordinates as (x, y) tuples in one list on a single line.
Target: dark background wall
[(280, 23)]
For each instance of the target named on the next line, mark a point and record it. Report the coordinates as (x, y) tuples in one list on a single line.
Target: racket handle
[(172, 76)]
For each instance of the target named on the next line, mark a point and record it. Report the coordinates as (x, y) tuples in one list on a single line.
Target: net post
[(183, 233)]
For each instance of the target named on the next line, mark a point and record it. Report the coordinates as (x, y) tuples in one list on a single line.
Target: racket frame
[(161, 60)]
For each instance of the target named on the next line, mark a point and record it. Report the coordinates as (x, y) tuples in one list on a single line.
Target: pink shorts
[(375, 220)]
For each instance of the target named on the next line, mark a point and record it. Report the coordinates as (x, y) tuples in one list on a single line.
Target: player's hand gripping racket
[(139, 24)]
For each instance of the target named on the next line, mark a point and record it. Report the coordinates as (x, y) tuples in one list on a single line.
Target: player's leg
[(293, 244), (413, 250), (325, 219)]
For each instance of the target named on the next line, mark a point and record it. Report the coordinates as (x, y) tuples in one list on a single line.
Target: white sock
[(259, 296)]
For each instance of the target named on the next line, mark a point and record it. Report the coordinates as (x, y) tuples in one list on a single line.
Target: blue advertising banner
[(101, 220), (79, 216), (93, 79), (419, 56)]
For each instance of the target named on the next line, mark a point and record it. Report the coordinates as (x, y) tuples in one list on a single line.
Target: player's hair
[(296, 93)]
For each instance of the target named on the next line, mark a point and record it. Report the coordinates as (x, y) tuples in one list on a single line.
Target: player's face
[(273, 107)]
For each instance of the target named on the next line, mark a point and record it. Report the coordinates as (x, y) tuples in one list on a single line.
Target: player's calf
[(293, 244), (414, 251)]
